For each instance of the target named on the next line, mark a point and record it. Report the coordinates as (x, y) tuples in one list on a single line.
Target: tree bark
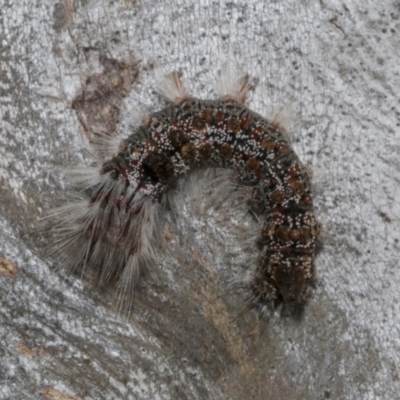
[(189, 335)]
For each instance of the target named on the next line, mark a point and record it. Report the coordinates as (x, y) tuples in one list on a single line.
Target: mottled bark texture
[(189, 335)]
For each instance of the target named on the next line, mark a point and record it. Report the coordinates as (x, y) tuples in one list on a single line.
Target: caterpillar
[(114, 228)]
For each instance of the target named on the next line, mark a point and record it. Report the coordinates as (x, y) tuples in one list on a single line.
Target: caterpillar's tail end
[(285, 295)]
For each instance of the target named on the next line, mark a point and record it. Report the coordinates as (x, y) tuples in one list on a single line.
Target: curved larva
[(115, 230)]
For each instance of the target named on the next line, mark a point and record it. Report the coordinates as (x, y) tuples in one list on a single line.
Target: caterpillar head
[(281, 279), (291, 278)]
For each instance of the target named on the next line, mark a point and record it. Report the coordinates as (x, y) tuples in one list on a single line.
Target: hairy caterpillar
[(114, 229)]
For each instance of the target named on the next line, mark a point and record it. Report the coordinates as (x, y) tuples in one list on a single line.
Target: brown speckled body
[(226, 133)]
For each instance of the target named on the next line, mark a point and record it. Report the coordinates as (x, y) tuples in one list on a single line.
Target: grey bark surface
[(336, 62)]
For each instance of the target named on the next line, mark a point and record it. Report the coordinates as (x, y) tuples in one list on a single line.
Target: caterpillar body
[(115, 229)]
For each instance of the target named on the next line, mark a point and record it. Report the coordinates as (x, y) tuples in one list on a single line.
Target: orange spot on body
[(205, 149), (245, 122), (226, 150), (206, 115), (268, 144), (277, 196), (188, 152), (233, 125), (219, 116), (252, 164), (199, 124)]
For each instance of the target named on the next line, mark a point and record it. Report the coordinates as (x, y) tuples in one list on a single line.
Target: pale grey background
[(337, 63)]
